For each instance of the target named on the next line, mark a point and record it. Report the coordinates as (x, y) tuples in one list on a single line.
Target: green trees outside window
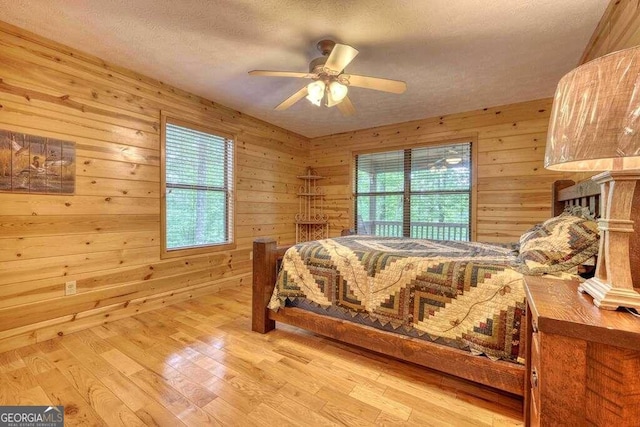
[(420, 192), (198, 188)]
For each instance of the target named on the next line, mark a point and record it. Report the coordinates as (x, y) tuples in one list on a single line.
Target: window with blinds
[(419, 192), (198, 180)]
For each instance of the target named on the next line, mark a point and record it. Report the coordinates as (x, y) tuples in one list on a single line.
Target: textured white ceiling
[(455, 55)]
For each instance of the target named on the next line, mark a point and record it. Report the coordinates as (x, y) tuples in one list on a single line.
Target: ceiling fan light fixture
[(330, 82), (453, 157), (338, 90), (315, 92)]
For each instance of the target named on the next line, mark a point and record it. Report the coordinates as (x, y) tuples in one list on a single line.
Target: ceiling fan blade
[(375, 83), (268, 73), (292, 99), (346, 107), (340, 57)]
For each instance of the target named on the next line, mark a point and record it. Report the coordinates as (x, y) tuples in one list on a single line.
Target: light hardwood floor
[(197, 363)]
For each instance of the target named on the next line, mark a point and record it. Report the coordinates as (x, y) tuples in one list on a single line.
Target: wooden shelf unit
[(583, 363), (311, 222)]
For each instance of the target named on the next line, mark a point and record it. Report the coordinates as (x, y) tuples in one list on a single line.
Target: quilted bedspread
[(461, 294)]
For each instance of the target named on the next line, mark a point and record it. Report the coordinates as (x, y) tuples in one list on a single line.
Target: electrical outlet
[(70, 287)]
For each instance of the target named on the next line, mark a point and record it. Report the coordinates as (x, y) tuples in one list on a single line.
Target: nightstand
[(583, 363)]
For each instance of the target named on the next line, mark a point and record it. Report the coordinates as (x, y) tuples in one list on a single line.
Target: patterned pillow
[(530, 233), (581, 211), (558, 244)]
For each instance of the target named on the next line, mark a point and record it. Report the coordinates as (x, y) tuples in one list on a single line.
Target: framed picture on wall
[(35, 164)]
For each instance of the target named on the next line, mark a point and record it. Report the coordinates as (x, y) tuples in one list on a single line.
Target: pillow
[(529, 234), (581, 211), (558, 244)]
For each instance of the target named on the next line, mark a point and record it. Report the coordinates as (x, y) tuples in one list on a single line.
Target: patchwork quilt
[(467, 295)]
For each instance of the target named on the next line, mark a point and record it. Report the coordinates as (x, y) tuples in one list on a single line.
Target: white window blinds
[(420, 192), (199, 188)]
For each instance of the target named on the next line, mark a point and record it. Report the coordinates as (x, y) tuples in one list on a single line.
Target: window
[(198, 188), (420, 192)]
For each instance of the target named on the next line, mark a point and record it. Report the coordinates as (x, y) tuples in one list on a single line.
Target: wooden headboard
[(568, 193), (587, 193)]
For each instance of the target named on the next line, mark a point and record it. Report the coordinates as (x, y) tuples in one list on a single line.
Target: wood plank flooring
[(197, 363)]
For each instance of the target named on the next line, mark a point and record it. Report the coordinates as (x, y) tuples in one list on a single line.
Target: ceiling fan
[(451, 159), (329, 80)]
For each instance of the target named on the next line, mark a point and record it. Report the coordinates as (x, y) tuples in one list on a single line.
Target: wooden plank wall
[(618, 29), (106, 236), (514, 189)]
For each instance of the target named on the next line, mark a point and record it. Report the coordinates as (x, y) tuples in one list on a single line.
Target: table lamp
[(595, 126)]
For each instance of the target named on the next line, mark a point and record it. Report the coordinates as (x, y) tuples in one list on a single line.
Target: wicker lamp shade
[(595, 119)]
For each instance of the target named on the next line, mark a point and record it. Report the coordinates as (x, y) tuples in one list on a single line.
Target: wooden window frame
[(471, 138), (195, 250)]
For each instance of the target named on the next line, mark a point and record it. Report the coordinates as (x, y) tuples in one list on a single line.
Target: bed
[(486, 350)]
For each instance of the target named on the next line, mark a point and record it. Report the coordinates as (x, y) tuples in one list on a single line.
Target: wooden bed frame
[(502, 375)]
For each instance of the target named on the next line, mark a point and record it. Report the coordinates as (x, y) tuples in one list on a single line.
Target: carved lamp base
[(609, 298), (612, 286)]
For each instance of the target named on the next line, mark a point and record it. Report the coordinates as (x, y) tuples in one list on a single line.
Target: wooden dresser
[(583, 363)]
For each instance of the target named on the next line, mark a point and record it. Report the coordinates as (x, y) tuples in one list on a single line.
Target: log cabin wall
[(107, 235), (618, 29), (513, 188)]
